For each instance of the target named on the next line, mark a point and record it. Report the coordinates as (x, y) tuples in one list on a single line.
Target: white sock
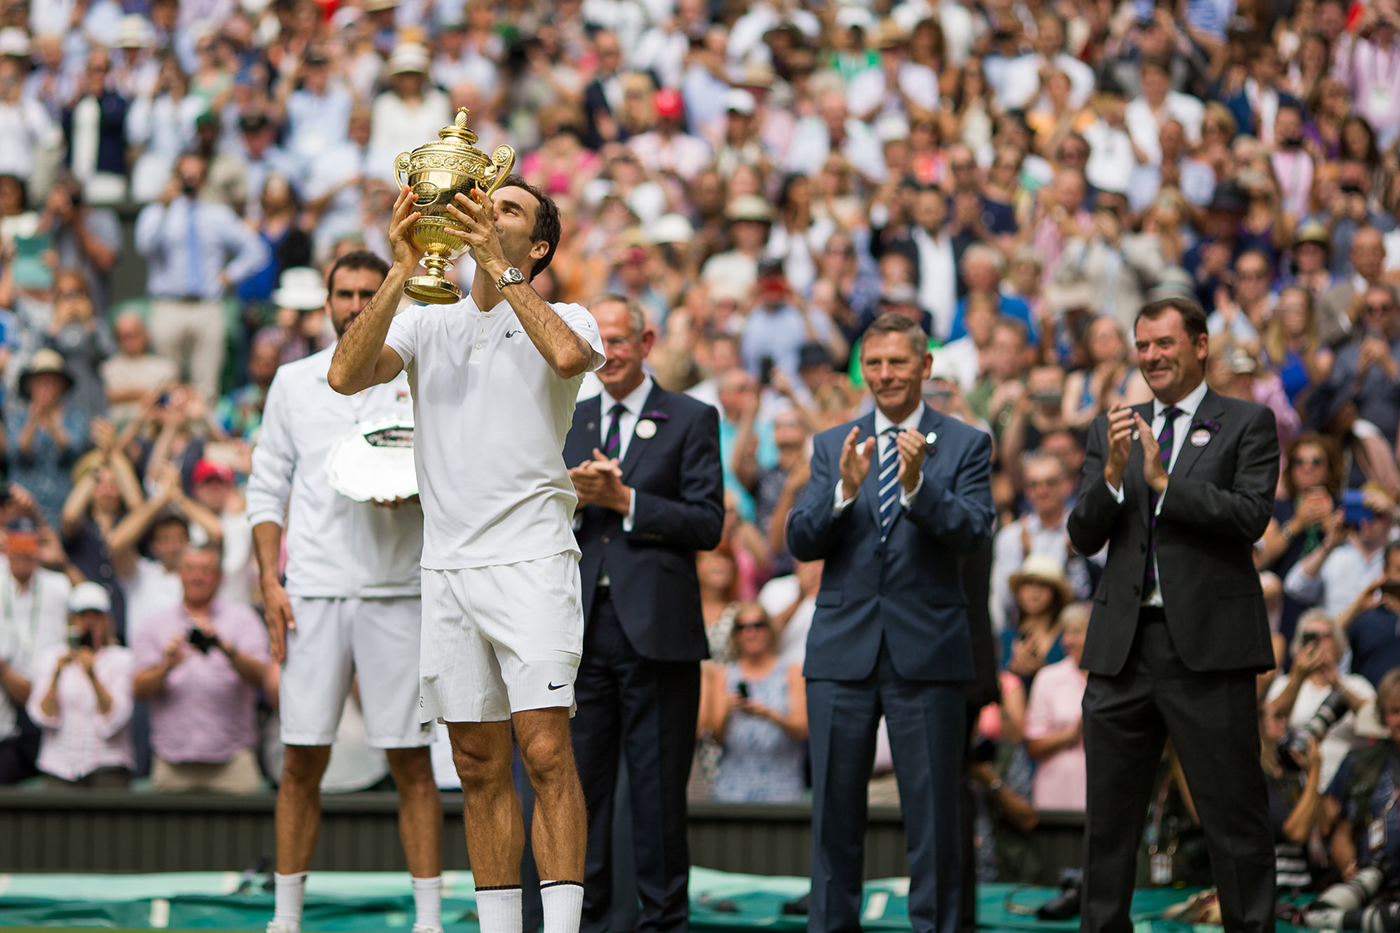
[(563, 906), (290, 893), (427, 902), (498, 909)]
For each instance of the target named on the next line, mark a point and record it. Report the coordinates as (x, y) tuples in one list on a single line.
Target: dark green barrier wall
[(124, 832)]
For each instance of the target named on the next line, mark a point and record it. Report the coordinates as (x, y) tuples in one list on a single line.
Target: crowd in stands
[(764, 178)]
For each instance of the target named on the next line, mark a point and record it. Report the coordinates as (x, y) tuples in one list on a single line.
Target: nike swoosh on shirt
[(554, 686), (512, 333)]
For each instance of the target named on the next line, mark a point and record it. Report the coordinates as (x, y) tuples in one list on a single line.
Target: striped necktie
[(889, 480), (1166, 440), (612, 443)]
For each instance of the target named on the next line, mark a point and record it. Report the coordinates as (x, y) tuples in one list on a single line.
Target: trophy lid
[(458, 129)]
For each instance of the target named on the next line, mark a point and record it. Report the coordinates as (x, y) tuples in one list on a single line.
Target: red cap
[(206, 470), (669, 104)]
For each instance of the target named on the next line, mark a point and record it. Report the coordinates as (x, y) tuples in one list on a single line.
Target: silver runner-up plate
[(375, 462)]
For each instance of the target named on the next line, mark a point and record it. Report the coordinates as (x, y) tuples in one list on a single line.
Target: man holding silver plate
[(494, 377), (350, 607)]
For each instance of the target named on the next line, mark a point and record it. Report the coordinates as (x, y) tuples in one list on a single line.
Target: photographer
[(1295, 799), (1318, 700), (1366, 837), (201, 665), (82, 699)]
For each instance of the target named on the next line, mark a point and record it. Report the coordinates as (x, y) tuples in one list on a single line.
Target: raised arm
[(566, 352), (361, 359)]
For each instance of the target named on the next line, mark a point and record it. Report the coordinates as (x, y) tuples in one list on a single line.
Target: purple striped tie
[(612, 443), (1165, 440)]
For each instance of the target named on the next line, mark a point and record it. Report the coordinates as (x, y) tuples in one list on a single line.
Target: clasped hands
[(599, 482), (1125, 426), (857, 457)]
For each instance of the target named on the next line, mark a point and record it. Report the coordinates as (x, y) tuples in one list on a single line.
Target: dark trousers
[(926, 722), (1212, 720), (646, 709)]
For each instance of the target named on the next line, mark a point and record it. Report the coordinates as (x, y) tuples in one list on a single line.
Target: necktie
[(612, 441), (1165, 441), (194, 275), (889, 481)]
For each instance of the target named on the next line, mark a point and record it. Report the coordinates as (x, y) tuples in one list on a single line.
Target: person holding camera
[(1372, 622), (201, 665), (82, 699), (1333, 575), (196, 251), (756, 709), (1295, 789), (1365, 843), (1318, 700)]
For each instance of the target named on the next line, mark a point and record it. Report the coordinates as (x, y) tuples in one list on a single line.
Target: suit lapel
[(586, 416), (1210, 409), (638, 445)]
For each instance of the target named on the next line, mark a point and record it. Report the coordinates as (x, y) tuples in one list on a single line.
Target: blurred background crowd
[(764, 178)]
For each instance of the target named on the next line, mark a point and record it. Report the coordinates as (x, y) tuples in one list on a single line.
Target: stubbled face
[(200, 575), (349, 293)]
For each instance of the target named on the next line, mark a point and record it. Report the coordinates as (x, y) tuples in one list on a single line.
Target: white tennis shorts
[(500, 639), (337, 639)]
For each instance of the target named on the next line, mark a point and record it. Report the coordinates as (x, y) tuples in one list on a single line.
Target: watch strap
[(511, 276)]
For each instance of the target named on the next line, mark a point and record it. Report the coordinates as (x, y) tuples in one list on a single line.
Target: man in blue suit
[(895, 499)]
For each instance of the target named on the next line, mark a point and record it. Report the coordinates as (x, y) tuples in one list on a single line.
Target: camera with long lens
[(1293, 749)]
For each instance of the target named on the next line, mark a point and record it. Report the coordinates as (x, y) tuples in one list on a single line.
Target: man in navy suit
[(890, 635), (646, 466)]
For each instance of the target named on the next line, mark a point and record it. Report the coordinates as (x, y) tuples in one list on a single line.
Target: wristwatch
[(511, 276)]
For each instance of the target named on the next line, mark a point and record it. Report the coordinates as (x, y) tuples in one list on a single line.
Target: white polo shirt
[(491, 418), (336, 547)]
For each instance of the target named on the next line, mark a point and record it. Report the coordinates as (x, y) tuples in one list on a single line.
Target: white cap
[(89, 596), (891, 126), (14, 41), (738, 100), (671, 228), (299, 288)]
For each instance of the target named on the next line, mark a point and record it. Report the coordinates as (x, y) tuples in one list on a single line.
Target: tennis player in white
[(350, 608), (494, 378)]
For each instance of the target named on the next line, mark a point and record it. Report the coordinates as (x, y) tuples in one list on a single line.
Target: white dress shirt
[(938, 278), (883, 424), (632, 405), (1182, 426), (33, 619)]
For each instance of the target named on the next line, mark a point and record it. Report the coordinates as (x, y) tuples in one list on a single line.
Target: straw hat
[(408, 57), (135, 32), (42, 362), (14, 42), (300, 288), (1043, 569)]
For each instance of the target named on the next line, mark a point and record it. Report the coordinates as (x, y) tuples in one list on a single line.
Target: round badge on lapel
[(1200, 437), (931, 439), (646, 428)]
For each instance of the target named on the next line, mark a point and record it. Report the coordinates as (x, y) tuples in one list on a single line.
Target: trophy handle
[(504, 159), (401, 164)]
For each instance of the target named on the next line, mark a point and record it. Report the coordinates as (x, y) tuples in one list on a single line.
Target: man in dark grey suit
[(895, 500), (1179, 489)]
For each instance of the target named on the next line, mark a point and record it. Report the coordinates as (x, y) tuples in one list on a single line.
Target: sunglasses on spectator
[(1310, 461), (1042, 483), (743, 626), (1379, 308)]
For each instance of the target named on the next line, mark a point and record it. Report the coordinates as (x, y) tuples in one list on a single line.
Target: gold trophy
[(437, 172)]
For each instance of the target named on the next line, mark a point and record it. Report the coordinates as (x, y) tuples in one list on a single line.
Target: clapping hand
[(1152, 470), (1120, 444), (911, 459), (855, 463), (599, 482)]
